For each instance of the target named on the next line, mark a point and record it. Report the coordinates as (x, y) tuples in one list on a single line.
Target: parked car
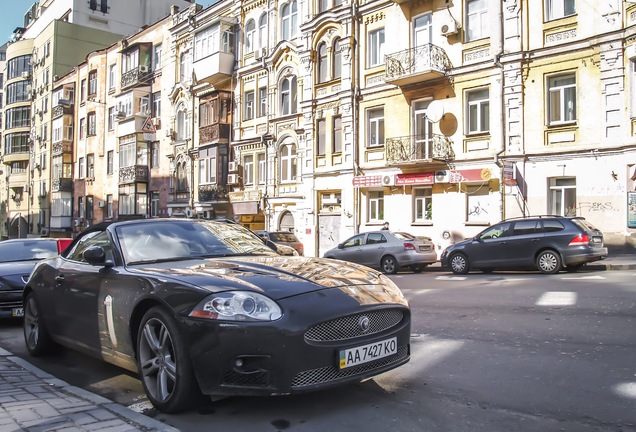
[(544, 243), (283, 237), (386, 250), (205, 307), (17, 259)]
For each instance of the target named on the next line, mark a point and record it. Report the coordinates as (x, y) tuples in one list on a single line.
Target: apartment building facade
[(329, 118)]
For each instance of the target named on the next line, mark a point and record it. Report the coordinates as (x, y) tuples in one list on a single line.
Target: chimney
[(174, 9)]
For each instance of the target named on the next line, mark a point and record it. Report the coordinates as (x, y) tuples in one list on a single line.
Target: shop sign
[(367, 181), (246, 195), (414, 179), (631, 209)]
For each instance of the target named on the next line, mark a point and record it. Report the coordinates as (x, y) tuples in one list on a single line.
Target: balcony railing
[(60, 110), (214, 133), (213, 192), (135, 76), (416, 149), (132, 174), (62, 185), (417, 64), (59, 148)]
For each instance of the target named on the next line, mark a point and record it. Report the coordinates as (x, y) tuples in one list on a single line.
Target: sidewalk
[(31, 399)]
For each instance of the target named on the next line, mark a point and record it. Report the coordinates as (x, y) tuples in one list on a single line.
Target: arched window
[(323, 63), (288, 162), (337, 60), (185, 67), (250, 33), (288, 98), (182, 178), (289, 18), (182, 124), (262, 30)]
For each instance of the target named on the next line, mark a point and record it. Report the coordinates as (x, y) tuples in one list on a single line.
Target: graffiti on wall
[(595, 206)]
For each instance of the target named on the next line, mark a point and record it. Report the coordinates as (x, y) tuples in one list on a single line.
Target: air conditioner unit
[(77, 222), (388, 180), (232, 178), (169, 133), (143, 69), (101, 204), (442, 176), (260, 53), (26, 74), (232, 167), (450, 28)]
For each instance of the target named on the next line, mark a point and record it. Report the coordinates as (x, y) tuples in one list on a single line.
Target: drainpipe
[(498, 47), (355, 114)]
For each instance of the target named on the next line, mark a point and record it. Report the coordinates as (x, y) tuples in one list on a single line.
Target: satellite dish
[(448, 124), (435, 111)]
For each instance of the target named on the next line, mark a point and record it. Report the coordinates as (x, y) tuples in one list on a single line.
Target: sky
[(12, 15)]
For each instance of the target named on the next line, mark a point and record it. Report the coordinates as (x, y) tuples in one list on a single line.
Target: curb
[(132, 418)]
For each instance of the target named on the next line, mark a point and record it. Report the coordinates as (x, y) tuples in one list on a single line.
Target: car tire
[(418, 268), (459, 264), (574, 268), (36, 336), (164, 365), (487, 270), (389, 265), (549, 262)]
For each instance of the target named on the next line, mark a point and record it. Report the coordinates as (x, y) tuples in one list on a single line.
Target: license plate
[(366, 353), (425, 248), (596, 240), (17, 312)]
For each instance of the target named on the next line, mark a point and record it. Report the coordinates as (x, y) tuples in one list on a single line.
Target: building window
[(207, 166), (562, 99), (92, 83), (156, 57), (110, 159), (376, 206), (83, 90), (154, 203), (288, 101), (248, 169), (80, 207), (154, 155), (422, 204), (323, 63), (288, 163), (289, 18), (325, 5), (478, 111), (337, 60), (478, 203), (336, 138), (112, 77), (375, 53), (82, 128), (111, 118), (81, 168), (250, 34), (90, 166), (182, 177), (477, 25), (556, 9), (109, 206), (92, 124), (375, 127), (89, 207), (262, 168), (262, 101), (249, 105), (321, 137), (262, 30), (183, 131), (185, 67), (562, 195), (156, 105)]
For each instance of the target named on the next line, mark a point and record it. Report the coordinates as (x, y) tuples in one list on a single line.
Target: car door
[(488, 248), (522, 244), (351, 249), (373, 249)]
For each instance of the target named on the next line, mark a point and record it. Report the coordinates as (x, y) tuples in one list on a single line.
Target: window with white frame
[(185, 67), (288, 98), (323, 63), (262, 101), (478, 111), (248, 169), (262, 30), (130, 61), (206, 42), (288, 162), (127, 151), (110, 162), (555, 9), (183, 131), (325, 5), (62, 207), (92, 124), (207, 166), (336, 135), (109, 206), (479, 208), (90, 166), (156, 104), (92, 83), (337, 60), (248, 113), (80, 207), (477, 25), (321, 137), (422, 204), (154, 155), (262, 168), (156, 57), (562, 196), (562, 99), (375, 51), (375, 127), (250, 35), (289, 20), (632, 68), (375, 202), (82, 130), (111, 118)]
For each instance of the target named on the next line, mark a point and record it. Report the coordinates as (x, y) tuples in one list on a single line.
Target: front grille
[(349, 327), (331, 373), (254, 379)]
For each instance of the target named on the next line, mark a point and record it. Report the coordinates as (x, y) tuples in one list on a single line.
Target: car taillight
[(409, 246), (580, 239)]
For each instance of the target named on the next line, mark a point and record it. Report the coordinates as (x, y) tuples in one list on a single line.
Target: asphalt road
[(497, 352)]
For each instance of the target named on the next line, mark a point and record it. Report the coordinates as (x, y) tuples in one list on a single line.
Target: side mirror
[(341, 246), (96, 256)]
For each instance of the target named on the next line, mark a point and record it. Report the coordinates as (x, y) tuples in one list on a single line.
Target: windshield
[(27, 250), (283, 237), (183, 239)]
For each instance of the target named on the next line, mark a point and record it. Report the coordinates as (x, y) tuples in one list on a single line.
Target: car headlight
[(238, 306)]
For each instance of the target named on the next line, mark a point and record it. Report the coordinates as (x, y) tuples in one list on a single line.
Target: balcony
[(216, 133), (419, 64), (213, 192), (133, 174), (61, 147), (214, 68), (416, 149), (136, 76), (17, 156), (62, 185), (60, 110)]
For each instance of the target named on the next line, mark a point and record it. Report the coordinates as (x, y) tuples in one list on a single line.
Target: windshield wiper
[(161, 260)]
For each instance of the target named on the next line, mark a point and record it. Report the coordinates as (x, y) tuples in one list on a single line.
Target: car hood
[(14, 274), (276, 276)]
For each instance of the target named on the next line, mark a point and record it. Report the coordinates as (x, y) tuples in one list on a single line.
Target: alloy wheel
[(31, 324), (157, 360)]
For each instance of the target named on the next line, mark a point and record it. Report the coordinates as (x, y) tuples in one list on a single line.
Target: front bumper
[(279, 357)]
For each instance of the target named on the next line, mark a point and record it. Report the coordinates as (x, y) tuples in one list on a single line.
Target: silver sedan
[(386, 250)]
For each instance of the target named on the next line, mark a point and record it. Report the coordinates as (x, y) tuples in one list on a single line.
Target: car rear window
[(283, 237), (584, 224), (403, 236), (552, 226)]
